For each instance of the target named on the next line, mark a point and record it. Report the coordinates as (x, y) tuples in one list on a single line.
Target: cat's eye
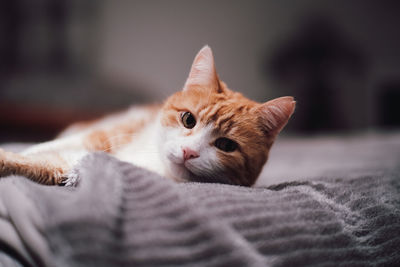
[(188, 120), (226, 144)]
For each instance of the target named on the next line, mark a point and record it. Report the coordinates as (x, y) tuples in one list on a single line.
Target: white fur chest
[(142, 151)]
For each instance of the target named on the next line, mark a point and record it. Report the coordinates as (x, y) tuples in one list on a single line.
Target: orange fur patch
[(112, 138), (98, 141)]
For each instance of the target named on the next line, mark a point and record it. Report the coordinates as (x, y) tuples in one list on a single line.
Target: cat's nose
[(189, 153)]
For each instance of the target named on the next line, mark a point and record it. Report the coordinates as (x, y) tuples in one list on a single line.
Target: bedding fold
[(122, 215)]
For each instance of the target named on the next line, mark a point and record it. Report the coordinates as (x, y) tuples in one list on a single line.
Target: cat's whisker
[(123, 135), (121, 145), (120, 135), (112, 147)]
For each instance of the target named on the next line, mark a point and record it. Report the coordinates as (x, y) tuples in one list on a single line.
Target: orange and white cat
[(204, 132)]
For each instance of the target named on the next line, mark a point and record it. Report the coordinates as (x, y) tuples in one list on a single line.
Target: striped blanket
[(343, 213)]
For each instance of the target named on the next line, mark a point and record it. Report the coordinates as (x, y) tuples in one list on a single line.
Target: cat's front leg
[(38, 168)]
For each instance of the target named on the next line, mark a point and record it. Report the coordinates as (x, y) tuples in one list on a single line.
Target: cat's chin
[(182, 172), (179, 172)]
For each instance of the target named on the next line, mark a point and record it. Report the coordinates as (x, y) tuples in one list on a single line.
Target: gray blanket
[(121, 215)]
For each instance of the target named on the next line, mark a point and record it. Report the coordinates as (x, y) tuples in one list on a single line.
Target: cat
[(205, 132)]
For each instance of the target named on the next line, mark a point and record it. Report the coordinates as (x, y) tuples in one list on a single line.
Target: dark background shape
[(68, 60)]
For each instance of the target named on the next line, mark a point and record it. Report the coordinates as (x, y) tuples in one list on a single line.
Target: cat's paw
[(2, 161), (6, 162), (3, 154), (71, 179)]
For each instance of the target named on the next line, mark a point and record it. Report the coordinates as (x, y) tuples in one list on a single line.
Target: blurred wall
[(75, 59), (155, 41)]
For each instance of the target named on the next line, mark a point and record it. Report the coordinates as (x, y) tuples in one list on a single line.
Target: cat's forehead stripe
[(223, 116), (228, 118)]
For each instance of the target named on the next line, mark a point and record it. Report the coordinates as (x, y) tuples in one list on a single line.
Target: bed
[(320, 201)]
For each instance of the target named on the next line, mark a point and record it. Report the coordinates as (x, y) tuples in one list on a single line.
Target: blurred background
[(68, 60)]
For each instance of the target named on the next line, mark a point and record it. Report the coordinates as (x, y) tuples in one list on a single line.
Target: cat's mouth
[(178, 169), (183, 171), (186, 171), (187, 168), (192, 174)]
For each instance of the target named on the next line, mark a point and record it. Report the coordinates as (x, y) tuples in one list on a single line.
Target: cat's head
[(212, 134)]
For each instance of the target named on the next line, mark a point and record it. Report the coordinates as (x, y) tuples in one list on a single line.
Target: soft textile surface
[(346, 213)]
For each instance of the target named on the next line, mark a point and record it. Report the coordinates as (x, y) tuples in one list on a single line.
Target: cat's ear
[(276, 113), (203, 71)]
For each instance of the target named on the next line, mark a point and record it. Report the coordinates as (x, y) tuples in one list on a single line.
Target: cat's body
[(129, 135), (205, 132)]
